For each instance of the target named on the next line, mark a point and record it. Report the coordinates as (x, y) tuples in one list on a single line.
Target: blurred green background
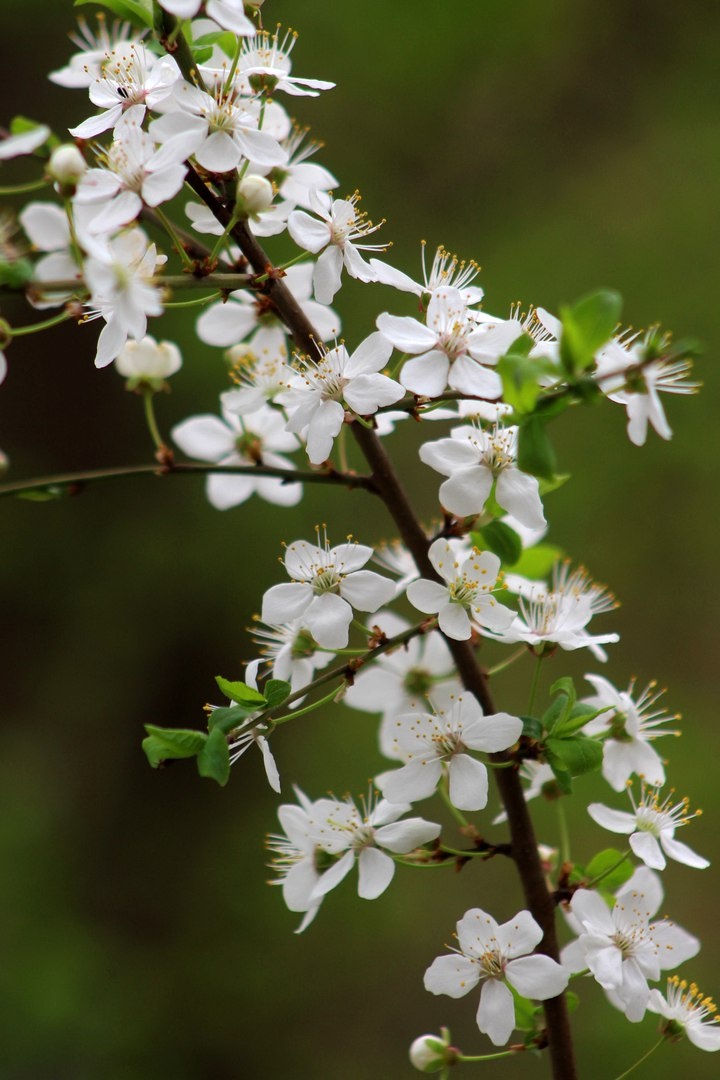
[(564, 145)]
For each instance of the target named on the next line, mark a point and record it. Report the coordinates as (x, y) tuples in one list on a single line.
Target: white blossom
[(496, 955), (260, 439), (435, 745), (622, 948), (686, 1008), (447, 271), (123, 291), (560, 616), (148, 360), (628, 727), (474, 460), (327, 584), (467, 597), (350, 834), (230, 14), (336, 236), (96, 48), (294, 857), (322, 389), (130, 75), (651, 828), (265, 65)]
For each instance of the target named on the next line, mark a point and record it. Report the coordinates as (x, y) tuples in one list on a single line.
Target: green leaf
[(276, 690), (214, 758), (588, 325), (535, 452), (240, 692), (133, 11), (202, 53), (602, 862), (520, 374), (546, 484), (227, 719), (577, 718), (20, 125), (537, 562), (554, 714), (501, 540), (165, 743), (577, 753)]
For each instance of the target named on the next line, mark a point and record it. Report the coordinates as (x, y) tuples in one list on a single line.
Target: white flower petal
[(376, 870), (496, 1012)]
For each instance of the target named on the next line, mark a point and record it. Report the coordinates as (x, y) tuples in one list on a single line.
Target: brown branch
[(78, 480)]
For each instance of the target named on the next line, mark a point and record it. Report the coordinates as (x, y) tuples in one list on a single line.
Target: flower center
[(326, 580), (492, 964), (417, 682)]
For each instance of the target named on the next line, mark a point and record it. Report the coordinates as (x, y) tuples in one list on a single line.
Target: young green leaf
[(537, 562), (240, 692), (227, 719), (165, 743), (587, 326), (214, 758), (132, 11), (611, 867), (577, 753), (499, 538), (535, 451), (276, 690)]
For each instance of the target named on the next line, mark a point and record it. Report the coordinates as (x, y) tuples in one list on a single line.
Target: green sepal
[(213, 760), (587, 326), (240, 692), (276, 690), (601, 862), (165, 743), (537, 562), (519, 373), (535, 451), (525, 1011), (499, 538), (546, 484), (133, 11), (577, 753), (227, 719)]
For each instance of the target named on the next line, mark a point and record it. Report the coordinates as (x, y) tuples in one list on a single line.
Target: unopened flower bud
[(147, 363), (432, 1053), (254, 194), (66, 165)]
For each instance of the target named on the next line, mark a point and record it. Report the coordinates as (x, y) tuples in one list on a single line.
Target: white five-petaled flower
[(406, 678), (344, 831), (496, 955), (96, 48), (630, 725), (291, 650), (133, 173), (432, 744), (447, 271), (336, 235), (228, 323), (560, 616), (622, 947), (130, 75), (651, 827), (327, 584), (122, 291), (623, 376), (230, 14), (218, 128), (48, 229), (260, 439), (294, 858), (322, 388), (687, 1009), (474, 460), (467, 597), (265, 64), (298, 177), (448, 350)]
